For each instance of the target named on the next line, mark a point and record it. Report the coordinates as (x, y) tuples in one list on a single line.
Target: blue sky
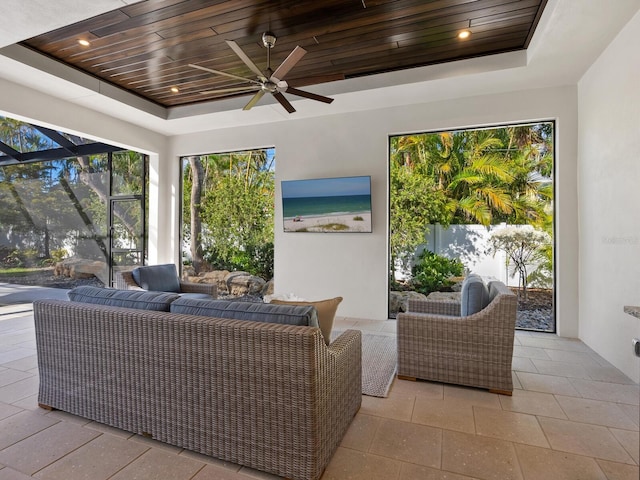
[(326, 187)]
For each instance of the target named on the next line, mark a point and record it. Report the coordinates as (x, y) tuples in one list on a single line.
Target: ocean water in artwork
[(321, 206)]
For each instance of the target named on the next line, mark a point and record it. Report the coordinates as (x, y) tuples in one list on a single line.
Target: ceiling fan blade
[(256, 98), (284, 102), (248, 88), (245, 58), (218, 72), (289, 62), (312, 96)]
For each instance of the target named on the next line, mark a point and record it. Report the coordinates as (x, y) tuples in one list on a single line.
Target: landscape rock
[(399, 301), (243, 283), (80, 268)]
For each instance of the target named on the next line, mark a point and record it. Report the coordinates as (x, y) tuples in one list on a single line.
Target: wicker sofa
[(436, 343), (269, 396)]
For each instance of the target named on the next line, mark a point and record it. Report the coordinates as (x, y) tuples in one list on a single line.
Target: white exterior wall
[(609, 186), (354, 266)]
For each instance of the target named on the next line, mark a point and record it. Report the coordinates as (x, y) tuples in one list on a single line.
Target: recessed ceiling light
[(84, 43), (175, 89), (464, 34)]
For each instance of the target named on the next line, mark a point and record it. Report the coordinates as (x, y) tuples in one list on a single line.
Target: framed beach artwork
[(327, 205)]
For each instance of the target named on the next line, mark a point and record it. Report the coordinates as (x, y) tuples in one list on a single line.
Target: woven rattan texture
[(271, 397), (476, 350)]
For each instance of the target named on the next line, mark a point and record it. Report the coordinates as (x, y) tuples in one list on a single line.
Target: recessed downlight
[(464, 34), (175, 89), (84, 43)]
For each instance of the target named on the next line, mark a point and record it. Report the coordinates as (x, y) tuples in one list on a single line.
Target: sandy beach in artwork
[(330, 223)]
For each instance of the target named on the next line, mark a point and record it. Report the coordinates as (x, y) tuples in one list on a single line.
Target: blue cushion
[(202, 296), (157, 278), (257, 312), (475, 295), (158, 301)]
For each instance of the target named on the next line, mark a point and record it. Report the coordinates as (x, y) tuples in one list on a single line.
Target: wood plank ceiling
[(146, 47)]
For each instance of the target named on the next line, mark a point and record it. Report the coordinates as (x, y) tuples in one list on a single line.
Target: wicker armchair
[(436, 343), (124, 281)]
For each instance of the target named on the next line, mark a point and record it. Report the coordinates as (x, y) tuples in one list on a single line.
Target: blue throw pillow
[(158, 301), (257, 312), (157, 278), (475, 295)]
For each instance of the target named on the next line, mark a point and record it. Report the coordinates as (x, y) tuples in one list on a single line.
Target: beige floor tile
[(481, 457), (423, 388), (619, 471), (571, 345), (473, 396), (523, 364), (7, 410), (22, 425), (630, 441), (25, 364), (68, 417), (156, 464), (354, 465), (516, 381), (97, 460), (540, 342), (583, 439), (534, 403), (211, 472), (408, 442), (398, 407), (101, 427), (30, 403), (595, 412), (46, 447), (530, 352), (511, 426), (581, 358), (19, 390), (607, 374), (632, 411), (417, 472), (609, 392), (257, 474), (9, 376), (450, 414), (153, 443), (215, 462), (361, 432), (547, 384), (543, 463), (563, 369), (11, 474)]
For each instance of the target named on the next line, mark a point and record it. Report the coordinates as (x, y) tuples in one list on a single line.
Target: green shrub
[(254, 259), (431, 272)]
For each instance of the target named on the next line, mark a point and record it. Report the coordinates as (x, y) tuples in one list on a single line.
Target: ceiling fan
[(268, 81)]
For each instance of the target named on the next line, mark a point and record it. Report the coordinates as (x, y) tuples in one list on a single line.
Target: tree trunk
[(197, 173)]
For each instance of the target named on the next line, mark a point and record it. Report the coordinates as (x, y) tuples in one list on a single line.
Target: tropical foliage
[(483, 176), (228, 211), (432, 272), (60, 207)]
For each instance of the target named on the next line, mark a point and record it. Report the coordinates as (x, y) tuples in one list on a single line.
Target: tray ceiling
[(146, 48)]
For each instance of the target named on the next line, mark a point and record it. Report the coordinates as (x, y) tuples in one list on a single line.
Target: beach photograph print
[(327, 205)]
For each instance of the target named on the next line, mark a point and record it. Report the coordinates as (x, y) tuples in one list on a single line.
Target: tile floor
[(572, 416)]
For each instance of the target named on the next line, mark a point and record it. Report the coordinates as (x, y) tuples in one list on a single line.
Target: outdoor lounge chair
[(161, 278), (436, 342)]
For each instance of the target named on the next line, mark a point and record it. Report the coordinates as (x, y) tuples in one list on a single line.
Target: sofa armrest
[(191, 287), (433, 307)]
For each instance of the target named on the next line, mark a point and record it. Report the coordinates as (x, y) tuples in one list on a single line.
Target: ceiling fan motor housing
[(268, 39)]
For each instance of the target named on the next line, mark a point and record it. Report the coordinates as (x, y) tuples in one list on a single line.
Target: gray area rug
[(379, 363)]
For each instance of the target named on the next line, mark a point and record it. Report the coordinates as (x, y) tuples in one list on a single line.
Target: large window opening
[(474, 200), (71, 210), (227, 220)]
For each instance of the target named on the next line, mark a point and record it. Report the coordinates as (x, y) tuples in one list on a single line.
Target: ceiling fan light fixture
[(268, 39)]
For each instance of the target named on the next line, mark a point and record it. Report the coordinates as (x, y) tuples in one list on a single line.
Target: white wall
[(609, 192), (355, 265)]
